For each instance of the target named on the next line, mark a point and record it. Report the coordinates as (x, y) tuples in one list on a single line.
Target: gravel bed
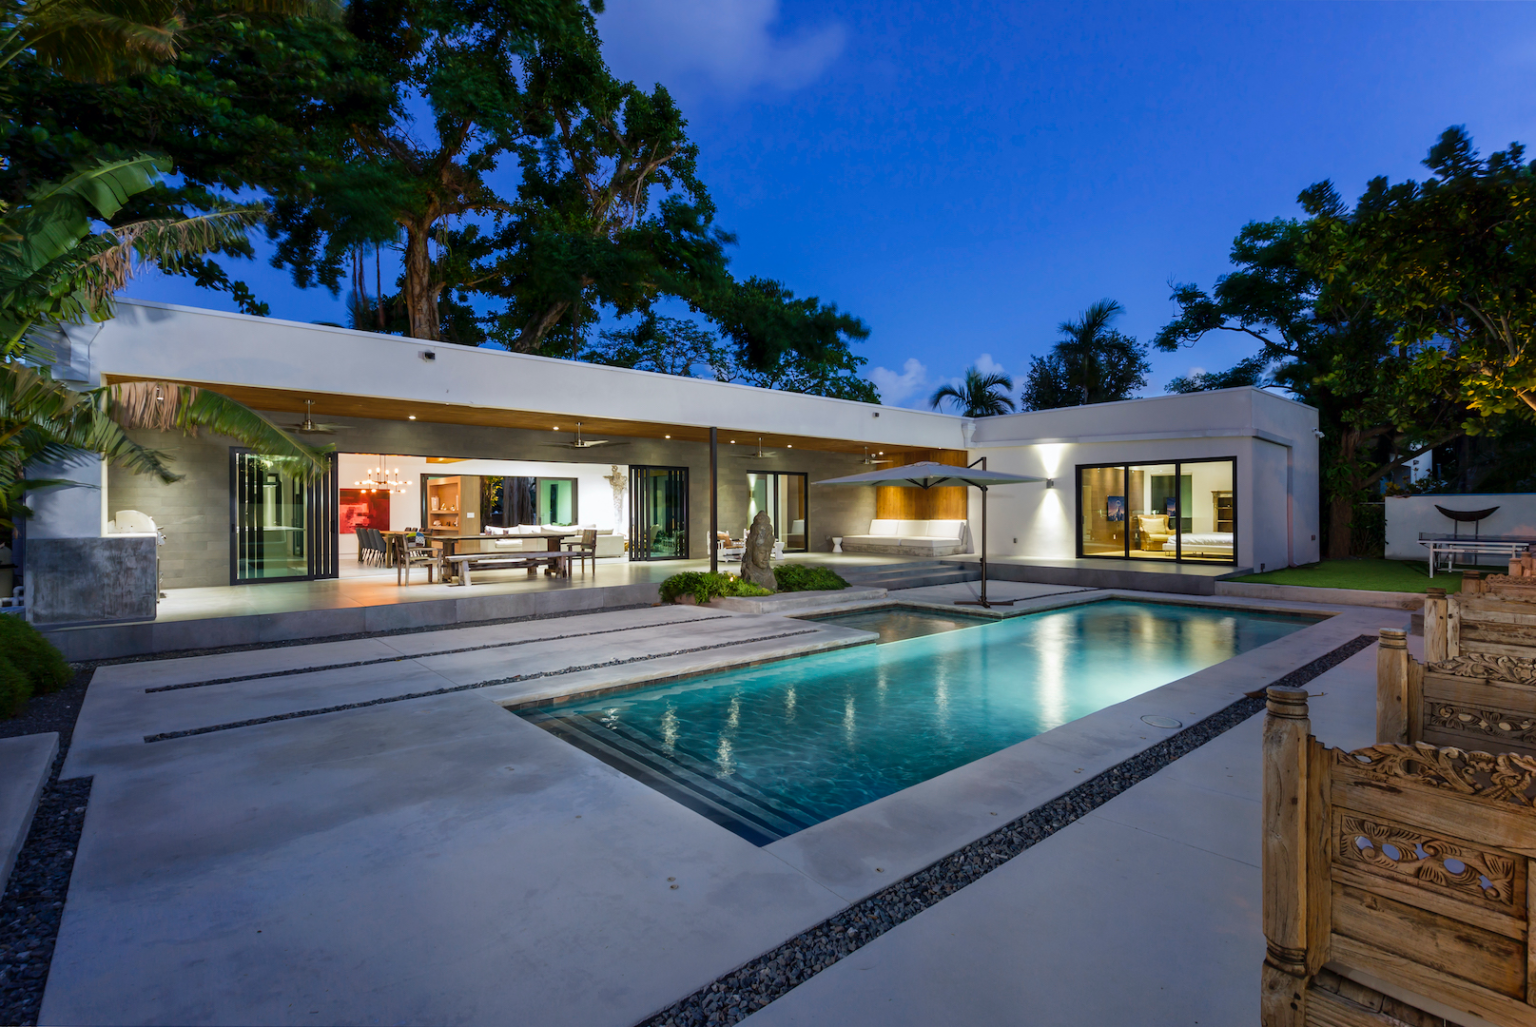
[(748, 989), (33, 902), (510, 679)]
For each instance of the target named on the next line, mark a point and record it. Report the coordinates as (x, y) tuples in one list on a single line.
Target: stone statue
[(757, 561)]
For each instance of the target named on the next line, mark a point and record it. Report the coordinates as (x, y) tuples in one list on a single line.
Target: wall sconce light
[(1050, 483)]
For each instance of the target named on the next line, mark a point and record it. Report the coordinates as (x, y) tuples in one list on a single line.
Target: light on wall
[(1050, 483)]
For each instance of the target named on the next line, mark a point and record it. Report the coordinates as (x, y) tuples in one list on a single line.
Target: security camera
[(1318, 432), (427, 354)]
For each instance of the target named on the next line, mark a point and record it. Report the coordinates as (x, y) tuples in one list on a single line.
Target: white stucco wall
[(1407, 516), (1271, 438)]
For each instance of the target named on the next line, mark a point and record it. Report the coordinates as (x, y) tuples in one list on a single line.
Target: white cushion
[(929, 543), (879, 527)]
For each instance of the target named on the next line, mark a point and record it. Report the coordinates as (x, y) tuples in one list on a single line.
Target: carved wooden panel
[(1486, 665), (1452, 866), (1502, 778), (1480, 725)]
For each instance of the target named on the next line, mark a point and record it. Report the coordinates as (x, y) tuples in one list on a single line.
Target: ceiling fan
[(760, 453), (581, 443), (309, 426), (871, 461)]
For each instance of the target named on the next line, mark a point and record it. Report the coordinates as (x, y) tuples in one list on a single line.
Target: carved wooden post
[(1436, 614), (1472, 583), (1392, 686), (1283, 1000)]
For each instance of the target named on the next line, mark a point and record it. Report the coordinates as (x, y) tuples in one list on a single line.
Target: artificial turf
[(1373, 575)]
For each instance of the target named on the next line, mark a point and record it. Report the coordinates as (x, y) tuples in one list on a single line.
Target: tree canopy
[(1451, 262), (1092, 363), (978, 395)]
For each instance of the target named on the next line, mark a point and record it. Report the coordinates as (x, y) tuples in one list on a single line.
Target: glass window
[(1101, 511), (1181, 510), (286, 524), (1210, 512), (784, 497), (658, 513), (557, 501)]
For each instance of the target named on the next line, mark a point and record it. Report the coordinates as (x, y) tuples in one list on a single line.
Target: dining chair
[(584, 550)]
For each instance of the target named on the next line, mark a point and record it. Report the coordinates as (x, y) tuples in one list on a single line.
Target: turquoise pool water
[(770, 750)]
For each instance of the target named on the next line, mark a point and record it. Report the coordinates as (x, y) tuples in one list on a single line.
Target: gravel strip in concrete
[(733, 997), (189, 732), (413, 656)]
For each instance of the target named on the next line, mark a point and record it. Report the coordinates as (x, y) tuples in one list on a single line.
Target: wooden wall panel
[(899, 504)]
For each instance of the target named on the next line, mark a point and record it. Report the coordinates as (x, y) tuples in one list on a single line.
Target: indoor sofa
[(909, 538)]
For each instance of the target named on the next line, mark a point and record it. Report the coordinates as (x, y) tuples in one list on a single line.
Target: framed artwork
[(360, 508), (1173, 506), (1114, 508)]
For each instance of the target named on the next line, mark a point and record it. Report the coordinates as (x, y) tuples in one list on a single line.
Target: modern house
[(459, 441)]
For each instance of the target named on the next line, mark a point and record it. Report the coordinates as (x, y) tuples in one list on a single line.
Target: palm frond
[(169, 406), (166, 242)]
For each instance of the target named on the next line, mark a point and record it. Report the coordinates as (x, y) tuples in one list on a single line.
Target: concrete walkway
[(359, 832), (1144, 912)]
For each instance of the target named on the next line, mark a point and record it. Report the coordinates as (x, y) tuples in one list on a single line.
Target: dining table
[(552, 542)]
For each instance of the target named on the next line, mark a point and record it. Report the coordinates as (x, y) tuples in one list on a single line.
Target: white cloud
[(720, 44), (897, 386)]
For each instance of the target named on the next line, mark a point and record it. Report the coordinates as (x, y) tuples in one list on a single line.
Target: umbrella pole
[(983, 601)]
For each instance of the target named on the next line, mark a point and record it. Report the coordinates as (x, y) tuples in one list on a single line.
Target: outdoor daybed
[(909, 538)]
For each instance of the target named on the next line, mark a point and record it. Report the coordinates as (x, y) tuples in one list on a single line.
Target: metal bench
[(463, 564)]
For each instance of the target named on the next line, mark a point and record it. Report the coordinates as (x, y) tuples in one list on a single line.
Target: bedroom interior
[(1181, 510)]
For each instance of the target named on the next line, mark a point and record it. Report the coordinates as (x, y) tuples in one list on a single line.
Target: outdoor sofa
[(608, 543), (909, 538)]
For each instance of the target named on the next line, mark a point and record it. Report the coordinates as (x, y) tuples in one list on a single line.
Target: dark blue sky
[(966, 177)]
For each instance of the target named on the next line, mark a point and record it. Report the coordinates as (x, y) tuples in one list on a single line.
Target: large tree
[(240, 96), (1451, 262), (1092, 363), (1327, 346)]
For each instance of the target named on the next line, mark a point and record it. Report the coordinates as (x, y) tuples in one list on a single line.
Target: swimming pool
[(770, 750)]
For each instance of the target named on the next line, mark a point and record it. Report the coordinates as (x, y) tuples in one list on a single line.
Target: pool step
[(730, 802), (917, 574)]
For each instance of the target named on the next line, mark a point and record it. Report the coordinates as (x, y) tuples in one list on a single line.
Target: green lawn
[(1375, 575)]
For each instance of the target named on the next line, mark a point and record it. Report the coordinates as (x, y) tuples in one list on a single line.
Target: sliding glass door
[(658, 513), (1184, 510), (784, 497), (283, 527)]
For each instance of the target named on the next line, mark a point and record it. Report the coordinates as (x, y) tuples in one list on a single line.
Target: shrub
[(41, 664), (794, 577), (14, 688), (704, 586)]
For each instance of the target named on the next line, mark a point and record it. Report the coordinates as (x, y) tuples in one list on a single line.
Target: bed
[(1202, 543)]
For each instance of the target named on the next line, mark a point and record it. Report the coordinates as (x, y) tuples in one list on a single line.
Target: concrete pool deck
[(437, 859)]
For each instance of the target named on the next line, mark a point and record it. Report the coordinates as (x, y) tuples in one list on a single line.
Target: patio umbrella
[(927, 474)]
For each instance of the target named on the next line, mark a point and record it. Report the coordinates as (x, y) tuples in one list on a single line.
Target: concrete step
[(797, 602), (916, 575)]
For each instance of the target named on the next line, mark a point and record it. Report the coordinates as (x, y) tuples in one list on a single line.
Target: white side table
[(837, 543)]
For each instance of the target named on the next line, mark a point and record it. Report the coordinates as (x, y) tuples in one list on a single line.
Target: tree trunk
[(1341, 503), (420, 296), (1341, 509), (534, 331)]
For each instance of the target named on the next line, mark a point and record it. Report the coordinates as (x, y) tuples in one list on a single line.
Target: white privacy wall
[(1272, 439), (1407, 516)]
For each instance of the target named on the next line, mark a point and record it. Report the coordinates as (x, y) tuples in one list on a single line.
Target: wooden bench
[(1396, 881), (462, 564), (1477, 685)]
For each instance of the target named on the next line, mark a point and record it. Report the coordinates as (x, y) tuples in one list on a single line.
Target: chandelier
[(382, 479)]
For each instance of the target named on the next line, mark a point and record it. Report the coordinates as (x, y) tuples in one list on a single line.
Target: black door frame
[(1124, 467), (322, 531), (636, 471)]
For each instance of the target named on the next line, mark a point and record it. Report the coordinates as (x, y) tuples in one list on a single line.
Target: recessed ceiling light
[(791, 445), (667, 436), (411, 418), (555, 428)]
